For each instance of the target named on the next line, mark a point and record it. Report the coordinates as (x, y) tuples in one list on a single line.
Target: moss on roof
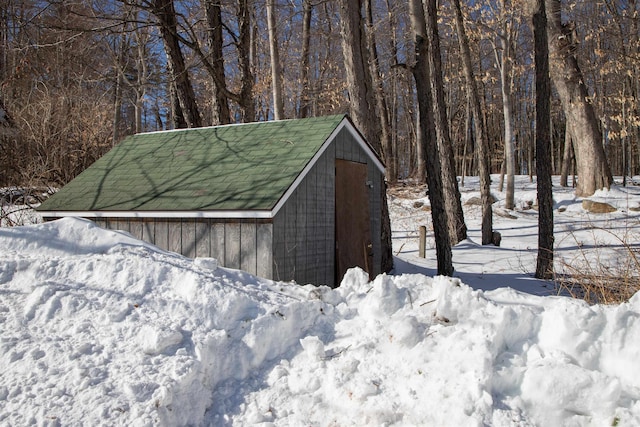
[(234, 167)]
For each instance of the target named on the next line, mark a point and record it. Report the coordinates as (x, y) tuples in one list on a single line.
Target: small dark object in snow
[(496, 238)]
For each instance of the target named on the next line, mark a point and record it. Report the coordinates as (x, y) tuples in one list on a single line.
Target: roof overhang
[(267, 214)]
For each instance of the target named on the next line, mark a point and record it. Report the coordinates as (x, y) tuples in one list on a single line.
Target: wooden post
[(423, 241)]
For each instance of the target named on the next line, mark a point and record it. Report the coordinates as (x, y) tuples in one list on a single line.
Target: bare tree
[(246, 101), (165, 12), (427, 139), (362, 103), (482, 143), (457, 226), (220, 98), (544, 267), (380, 100), (582, 122), (504, 53), (305, 102), (276, 71)]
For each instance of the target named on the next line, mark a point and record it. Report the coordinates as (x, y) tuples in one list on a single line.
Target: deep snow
[(98, 328)]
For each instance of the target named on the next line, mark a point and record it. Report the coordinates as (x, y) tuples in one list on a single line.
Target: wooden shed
[(286, 200)]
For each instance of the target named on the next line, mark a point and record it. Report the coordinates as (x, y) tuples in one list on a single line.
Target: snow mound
[(101, 329), (98, 328)]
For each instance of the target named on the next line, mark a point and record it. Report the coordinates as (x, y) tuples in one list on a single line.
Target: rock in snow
[(98, 328)]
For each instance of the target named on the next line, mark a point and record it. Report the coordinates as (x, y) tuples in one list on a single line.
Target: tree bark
[(544, 267), (276, 70), (356, 58), (482, 142), (362, 104), (427, 136), (164, 11), (305, 100), (247, 105), (457, 226), (503, 56), (567, 159), (220, 111), (591, 163), (386, 149)]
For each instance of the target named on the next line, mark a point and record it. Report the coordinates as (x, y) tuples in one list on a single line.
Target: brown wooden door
[(353, 228)]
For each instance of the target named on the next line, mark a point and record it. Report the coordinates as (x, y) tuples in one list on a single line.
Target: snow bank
[(101, 329), (98, 328), (412, 350)]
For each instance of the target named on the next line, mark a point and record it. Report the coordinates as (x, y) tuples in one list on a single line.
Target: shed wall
[(241, 244), (304, 229), (347, 148)]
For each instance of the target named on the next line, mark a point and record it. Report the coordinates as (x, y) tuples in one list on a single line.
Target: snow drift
[(98, 328)]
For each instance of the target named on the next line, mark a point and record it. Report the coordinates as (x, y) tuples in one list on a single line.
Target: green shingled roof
[(235, 167)]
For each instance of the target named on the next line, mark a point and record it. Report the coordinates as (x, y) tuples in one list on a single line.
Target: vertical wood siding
[(304, 230), (241, 244)]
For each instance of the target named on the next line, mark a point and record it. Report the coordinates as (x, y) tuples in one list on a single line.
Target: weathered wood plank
[(188, 238), (162, 234), (232, 244), (135, 228), (149, 231), (264, 242), (288, 270), (248, 246), (124, 224), (217, 242), (301, 253), (279, 226), (175, 236), (203, 238)]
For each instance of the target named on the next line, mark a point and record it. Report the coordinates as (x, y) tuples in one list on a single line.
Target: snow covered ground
[(98, 328)]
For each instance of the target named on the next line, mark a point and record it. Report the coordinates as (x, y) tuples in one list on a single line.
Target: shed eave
[(240, 214)]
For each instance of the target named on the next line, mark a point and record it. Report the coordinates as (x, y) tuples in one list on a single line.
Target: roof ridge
[(240, 124)]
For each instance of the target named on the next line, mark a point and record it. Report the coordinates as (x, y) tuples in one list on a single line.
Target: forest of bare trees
[(77, 76)]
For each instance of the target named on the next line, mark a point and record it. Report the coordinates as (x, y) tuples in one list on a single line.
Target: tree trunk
[(482, 142), (457, 227), (276, 70), (427, 135), (247, 106), (567, 159), (117, 105), (591, 163), (544, 267), (360, 87), (356, 58), (386, 151), (220, 111), (305, 99), (165, 13), (507, 112), (177, 116)]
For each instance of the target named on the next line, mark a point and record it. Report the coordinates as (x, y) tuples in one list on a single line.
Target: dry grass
[(599, 280)]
